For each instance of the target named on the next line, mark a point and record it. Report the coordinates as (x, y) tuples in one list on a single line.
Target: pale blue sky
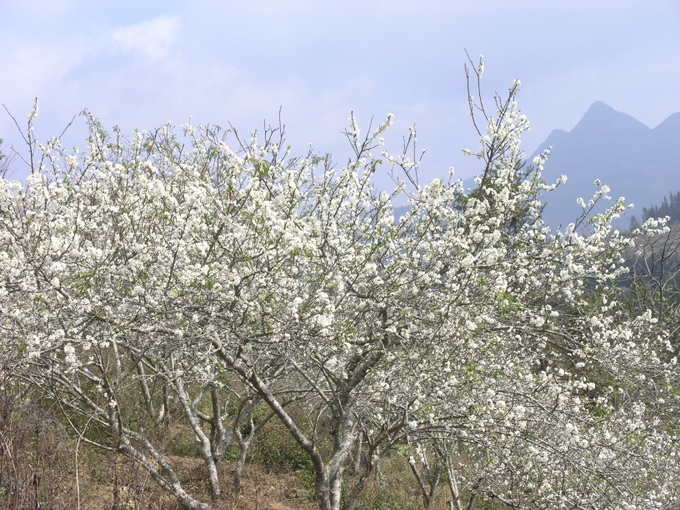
[(139, 64)]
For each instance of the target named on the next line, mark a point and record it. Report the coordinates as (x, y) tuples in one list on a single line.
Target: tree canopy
[(464, 330)]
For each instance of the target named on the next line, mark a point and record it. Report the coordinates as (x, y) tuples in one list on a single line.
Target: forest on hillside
[(669, 207)]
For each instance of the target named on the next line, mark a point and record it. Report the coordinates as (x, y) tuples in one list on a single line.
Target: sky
[(139, 64)]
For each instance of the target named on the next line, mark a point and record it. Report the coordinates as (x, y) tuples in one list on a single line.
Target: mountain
[(636, 162)]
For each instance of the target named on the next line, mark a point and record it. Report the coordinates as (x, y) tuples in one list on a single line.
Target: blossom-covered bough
[(172, 273)]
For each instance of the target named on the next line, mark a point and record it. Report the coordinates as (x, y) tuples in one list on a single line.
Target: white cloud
[(151, 39)]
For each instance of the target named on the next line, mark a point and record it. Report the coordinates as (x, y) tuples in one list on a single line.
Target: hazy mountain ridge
[(635, 161)]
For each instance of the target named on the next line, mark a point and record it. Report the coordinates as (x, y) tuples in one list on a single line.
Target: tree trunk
[(203, 442), (145, 390)]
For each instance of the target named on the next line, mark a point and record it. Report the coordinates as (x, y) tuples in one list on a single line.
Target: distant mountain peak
[(633, 160), (671, 123), (600, 115), (600, 106)]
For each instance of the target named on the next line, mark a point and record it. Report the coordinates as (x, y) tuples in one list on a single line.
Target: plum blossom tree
[(174, 272)]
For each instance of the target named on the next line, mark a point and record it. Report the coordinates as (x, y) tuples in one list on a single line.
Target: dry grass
[(42, 466)]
